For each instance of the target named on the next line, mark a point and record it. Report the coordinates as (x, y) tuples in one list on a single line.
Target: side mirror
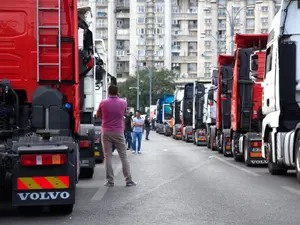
[(210, 97), (253, 67)]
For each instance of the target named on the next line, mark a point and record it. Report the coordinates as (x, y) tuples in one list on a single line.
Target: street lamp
[(137, 82)]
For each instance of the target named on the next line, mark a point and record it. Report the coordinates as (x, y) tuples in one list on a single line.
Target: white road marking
[(165, 150), (292, 190), (102, 189), (237, 167)]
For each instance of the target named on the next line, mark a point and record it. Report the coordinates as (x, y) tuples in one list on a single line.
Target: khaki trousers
[(118, 139)]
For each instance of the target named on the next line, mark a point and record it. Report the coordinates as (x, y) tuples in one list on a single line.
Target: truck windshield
[(167, 112)]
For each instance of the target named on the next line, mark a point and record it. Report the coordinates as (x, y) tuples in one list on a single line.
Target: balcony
[(185, 38), (122, 58), (123, 69), (122, 34), (184, 59), (192, 49), (101, 25), (122, 15), (175, 49), (101, 14), (101, 3), (193, 27), (184, 16), (124, 5)]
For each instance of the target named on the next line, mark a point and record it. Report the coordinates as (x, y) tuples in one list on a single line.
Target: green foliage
[(163, 82)]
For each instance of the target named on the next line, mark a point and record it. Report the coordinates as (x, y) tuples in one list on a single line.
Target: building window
[(159, 9), (264, 31), (141, 20), (192, 67), (141, 52), (141, 41), (221, 12), (140, 31), (265, 8), (159, 20), (277, 8), (141, 9), (250, 2), (250, 12), (208, 22), (159, 41), (250, 23), (264, 20)]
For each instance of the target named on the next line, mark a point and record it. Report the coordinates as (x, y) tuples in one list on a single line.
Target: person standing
[(112, 110), (147, 126), (138, 129), (128, 130)]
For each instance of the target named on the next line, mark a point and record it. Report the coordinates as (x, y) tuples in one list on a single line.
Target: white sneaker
[(133, 152)]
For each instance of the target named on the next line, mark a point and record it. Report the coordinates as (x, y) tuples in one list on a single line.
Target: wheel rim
[(298, 161)]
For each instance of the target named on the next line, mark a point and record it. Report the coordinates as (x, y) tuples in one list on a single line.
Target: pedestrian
[(138, 129), (147, 126), (128, 130), (112, 111)]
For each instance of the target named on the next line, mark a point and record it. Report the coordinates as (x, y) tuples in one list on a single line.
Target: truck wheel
[(274, 168), (62, 209), (86, 173), (297, 151), (212, 138), (246, 152), (208, 137), (219, 143)]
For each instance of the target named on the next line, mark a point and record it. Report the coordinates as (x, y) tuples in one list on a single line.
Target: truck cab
[(281, 92), (223, 121), (199, 112), (178, 97), (187, 112)]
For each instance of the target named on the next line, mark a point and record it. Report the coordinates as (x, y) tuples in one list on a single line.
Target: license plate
[(84, 161), (227, 147), (97, 153)]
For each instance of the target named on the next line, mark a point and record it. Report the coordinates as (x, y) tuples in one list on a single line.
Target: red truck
[(246, 113), (42, 74), (220, 133)]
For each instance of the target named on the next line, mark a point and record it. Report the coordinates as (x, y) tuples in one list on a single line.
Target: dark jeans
[(128, 138), (147, 132)]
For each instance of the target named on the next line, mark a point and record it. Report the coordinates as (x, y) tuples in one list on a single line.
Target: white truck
[(281, 93)]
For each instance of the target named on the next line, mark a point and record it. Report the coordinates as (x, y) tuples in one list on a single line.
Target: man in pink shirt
[(112, 111)]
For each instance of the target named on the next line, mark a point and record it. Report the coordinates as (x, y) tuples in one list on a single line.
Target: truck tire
[(297, 155), (208, 131), (246, 152), (212, 138), (87, 173), (219, 143), (274, 169), (62, 209)]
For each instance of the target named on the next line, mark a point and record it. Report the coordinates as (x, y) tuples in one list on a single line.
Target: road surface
[(179, 184)]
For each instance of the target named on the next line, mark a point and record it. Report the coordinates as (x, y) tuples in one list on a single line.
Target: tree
[(163, 82)]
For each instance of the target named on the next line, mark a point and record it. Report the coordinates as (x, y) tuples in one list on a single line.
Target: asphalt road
[(179, 183)]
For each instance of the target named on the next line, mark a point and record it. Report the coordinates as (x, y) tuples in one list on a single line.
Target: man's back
[(113, 109)]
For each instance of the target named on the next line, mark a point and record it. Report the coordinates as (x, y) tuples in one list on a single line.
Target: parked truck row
[(251, 108)]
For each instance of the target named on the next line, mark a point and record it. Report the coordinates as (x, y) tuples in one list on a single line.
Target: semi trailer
[(164, 114)]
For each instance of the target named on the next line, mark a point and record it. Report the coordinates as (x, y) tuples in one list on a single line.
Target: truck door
[(269, 93)]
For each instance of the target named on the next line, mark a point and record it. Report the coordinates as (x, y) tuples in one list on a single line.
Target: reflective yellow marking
[(57, 183), (30, 183)]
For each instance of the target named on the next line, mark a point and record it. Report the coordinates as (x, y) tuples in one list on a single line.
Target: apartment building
[(220, 19)]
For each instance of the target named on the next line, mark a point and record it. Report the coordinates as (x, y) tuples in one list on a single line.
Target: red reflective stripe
[(21, 185), (44, 183), (65, 180)]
